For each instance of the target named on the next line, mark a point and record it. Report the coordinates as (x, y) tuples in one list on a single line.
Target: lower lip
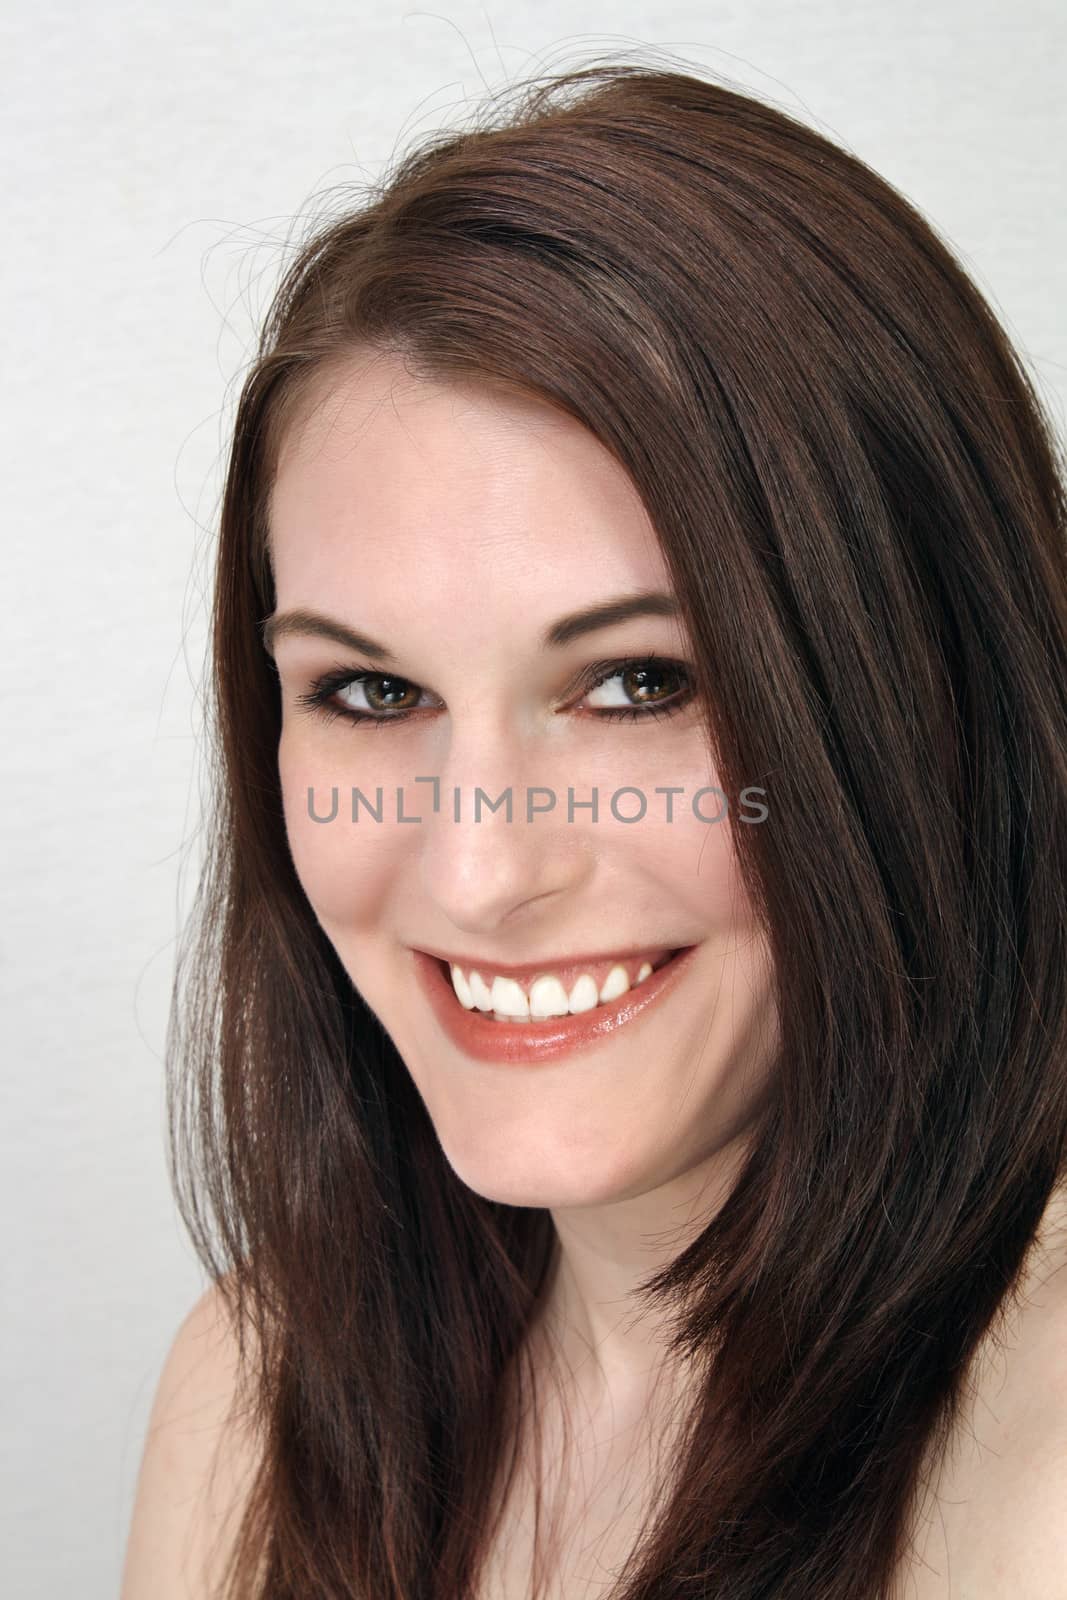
[(477, 1035)]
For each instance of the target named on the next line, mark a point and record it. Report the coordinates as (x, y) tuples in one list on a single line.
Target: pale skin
[(453, 525)]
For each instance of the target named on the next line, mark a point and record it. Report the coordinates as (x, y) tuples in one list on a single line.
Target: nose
[(482, 871)]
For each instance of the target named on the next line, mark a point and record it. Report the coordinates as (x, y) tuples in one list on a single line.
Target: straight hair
[(860, 501)]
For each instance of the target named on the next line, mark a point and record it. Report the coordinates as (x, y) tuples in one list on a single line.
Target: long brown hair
[(861, 504)]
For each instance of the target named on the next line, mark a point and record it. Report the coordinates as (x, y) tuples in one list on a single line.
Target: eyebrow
[(606, 614)]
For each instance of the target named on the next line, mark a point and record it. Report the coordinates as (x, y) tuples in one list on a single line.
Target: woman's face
[(453, 526)]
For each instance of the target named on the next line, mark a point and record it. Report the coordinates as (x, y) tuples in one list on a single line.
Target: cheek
[(342, 865), (699, 862), (691, 858)]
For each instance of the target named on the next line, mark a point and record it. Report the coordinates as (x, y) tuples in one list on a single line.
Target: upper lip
[(549, 964)]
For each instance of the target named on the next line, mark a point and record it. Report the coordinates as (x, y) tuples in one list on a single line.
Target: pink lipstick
[(478, 1035)]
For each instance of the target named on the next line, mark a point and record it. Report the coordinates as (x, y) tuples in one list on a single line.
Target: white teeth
[(617, 982), (510, 998), (548, 998), (462, 987), (479, 992), (584, 996)]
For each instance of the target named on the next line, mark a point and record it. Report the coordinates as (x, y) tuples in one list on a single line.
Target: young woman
[(619, 1078)]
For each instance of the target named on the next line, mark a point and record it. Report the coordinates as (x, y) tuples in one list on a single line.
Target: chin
[(536, 1177)]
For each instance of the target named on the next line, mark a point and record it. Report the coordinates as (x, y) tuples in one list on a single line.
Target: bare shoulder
[(998, 1525), (198, 1464)]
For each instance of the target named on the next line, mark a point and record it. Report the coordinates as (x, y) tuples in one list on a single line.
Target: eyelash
[(330, 683)]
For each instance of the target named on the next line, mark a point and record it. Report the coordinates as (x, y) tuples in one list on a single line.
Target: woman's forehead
[(433, 472)]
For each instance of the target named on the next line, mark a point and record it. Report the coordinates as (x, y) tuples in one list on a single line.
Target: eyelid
[(587, 677), (331, 682)]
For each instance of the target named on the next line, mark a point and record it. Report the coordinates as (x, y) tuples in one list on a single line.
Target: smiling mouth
[(546, 999), (505, 1040)]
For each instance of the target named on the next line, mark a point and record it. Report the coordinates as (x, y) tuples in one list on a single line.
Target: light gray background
[(158, 158)]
